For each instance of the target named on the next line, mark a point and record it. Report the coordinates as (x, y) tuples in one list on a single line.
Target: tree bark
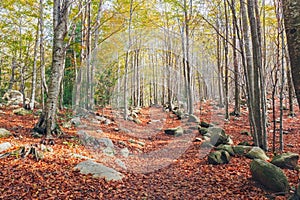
[(292, 28), (47, 122), (44, 87), (33, 82)]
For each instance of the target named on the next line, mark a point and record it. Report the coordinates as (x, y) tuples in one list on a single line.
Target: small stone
[(4, 133), (197, 139), (178, 131), (21, 111), (109, 151), (4, 146), (125, 152), (76, 121), (193, 118)]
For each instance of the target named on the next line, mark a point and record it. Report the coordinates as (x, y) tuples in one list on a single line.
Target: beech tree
[(47, 122), (292, 24)]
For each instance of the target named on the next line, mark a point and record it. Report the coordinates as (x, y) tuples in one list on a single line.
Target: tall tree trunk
[(44, 87), (127, 63), (292, 25), (47, 122), (226, 62), (257, 66), (236, 111), (248, 69), (291, 90), (33, 82)]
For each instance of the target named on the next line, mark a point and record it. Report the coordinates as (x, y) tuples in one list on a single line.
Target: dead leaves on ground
[(187, 177)]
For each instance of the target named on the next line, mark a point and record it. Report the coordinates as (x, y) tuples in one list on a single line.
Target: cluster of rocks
[(133, 115), (269, 174), (104, 146), (78, 122)]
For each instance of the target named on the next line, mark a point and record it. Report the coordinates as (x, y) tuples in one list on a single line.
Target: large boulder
[(286, 160), (218, 157), (178, 131), (13, 97), (4, 146), (4, 133), (241, 150), (218, 136), (206, 145), (257, 153), (270, 176), (99, 171)]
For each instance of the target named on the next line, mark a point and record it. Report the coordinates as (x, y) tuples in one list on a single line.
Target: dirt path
[(164, 168)]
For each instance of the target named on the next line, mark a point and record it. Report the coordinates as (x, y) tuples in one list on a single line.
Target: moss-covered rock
[(270, 176), (257, 153), (286, 160), (21, 111), (241, 150), (227, 148), (219, 157)]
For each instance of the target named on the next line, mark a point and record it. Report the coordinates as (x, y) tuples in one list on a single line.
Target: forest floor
[(167, 169)]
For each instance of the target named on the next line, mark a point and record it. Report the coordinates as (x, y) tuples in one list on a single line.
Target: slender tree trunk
[(47, 122), (44, 87), (220, 72), (226, 87), (236, 111), (291, 90), (248, 69), (33, 82), (281, 143), (127, 62), (257, 66)]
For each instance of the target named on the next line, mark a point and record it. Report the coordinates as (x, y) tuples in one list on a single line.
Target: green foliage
[(105, 83)]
